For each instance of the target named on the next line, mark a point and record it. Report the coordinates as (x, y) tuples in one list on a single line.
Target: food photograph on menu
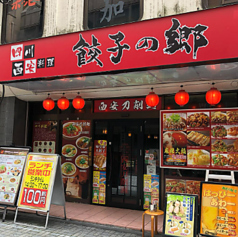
[(206, 139)]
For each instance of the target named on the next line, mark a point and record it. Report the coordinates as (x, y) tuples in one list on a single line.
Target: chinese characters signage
[(44, 136), (180, 215), (38, 181), (218, 209), (123, 105), (206, 139), (12, 162), (186, 38), (102, 13)]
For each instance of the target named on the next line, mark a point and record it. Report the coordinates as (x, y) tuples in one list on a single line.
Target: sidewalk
[(126, 218)]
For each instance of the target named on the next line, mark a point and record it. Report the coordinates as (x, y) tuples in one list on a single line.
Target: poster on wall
[(219, 216), (151, 190), (76, 158), (203, 139), (99, 172), (12, 162), (38, 181), (180, 216), (44, 136)]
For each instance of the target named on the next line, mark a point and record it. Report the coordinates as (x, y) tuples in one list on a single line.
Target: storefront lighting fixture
[(63, 103), (152, 99), (48, 104), (213, 96), (149, 136), (155, 137), (129, 134), (78, 102), (181, 97)]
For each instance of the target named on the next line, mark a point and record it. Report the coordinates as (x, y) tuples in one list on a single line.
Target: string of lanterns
[(213, 97), (63, 103)]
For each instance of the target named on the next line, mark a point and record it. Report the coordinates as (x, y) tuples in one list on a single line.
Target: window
[(22, 20), (216, 3)]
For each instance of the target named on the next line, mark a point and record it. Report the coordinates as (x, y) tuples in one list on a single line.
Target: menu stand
[(220, 177)]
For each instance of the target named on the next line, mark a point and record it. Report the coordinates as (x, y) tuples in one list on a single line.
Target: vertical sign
[(38, 181), (180, 217), (219, 216), (99, 173)]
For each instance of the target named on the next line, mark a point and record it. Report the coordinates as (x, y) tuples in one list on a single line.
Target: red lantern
[(213, 96), (63, 103), (48, 104), (181, 97), (152, 99), (78, 102)]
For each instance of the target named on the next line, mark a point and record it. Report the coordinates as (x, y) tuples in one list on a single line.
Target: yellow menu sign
[(219, 215)]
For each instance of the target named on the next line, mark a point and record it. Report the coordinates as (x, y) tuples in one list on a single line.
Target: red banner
[(206, 36)]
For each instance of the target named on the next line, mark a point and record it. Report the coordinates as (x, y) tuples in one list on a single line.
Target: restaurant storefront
[(114, 159)]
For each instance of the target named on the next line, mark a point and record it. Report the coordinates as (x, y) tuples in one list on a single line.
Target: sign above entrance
[(181, 39), (123, 105)]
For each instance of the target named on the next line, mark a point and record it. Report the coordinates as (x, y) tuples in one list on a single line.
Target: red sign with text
[(142, 44)]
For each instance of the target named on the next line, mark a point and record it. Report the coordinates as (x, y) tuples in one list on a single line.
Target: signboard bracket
[(220, 177)]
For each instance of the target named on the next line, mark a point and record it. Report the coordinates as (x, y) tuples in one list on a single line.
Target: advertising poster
[(219, 216), (99, 187), (12, 162), (151, 190), (100, 155), (37, 182), (76, 158), (44, 136), (180, 217), (204, 139)]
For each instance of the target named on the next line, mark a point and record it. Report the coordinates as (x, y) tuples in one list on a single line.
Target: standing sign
[(219, 216), (180, 217), (99, 172), (204, 139)]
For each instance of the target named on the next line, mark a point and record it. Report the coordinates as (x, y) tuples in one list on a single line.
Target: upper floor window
[(217, 3), (22, 20), (100, 13)]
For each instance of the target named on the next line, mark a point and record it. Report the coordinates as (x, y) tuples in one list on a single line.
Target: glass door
[(125, 164)]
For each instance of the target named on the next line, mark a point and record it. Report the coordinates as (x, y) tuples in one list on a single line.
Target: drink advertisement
[(44, 136), (180, 215), (219, 215), (38, 180), (151, 190), (204, 139), (12, 162)]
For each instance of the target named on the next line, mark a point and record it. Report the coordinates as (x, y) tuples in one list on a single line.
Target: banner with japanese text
[(219, 216), (38, 181)]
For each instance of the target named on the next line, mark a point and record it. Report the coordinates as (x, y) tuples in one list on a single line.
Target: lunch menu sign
[(205, 139)]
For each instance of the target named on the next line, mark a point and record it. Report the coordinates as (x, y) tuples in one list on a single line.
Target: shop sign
[(101, 13), (38, 181), (180, 218), (143, 44), (17, 4), (76, 158), (123, 105), (219, 215), (44, 136), (99, 187), (12, 161), (203, 139)]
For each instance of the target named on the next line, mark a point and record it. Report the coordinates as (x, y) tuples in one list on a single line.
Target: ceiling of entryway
[(164, 81)]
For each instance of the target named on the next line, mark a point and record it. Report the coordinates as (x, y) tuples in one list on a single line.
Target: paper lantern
[(78, 102), (181, 97), (48, 104), (63, 103), (152, 99), (213, 96)]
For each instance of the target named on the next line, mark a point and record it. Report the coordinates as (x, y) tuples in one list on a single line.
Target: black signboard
[(101, 13)]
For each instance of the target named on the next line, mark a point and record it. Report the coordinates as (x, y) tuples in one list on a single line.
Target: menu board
[(204, 139), (151, 190), (38, 180), (44, 136), (76, 158), (219, 216), (12, 162), (180, 217)]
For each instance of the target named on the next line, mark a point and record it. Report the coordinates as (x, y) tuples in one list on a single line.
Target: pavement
[(58, 227)]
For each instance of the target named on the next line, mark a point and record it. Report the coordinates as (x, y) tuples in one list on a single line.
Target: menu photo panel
[(204, 139)]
